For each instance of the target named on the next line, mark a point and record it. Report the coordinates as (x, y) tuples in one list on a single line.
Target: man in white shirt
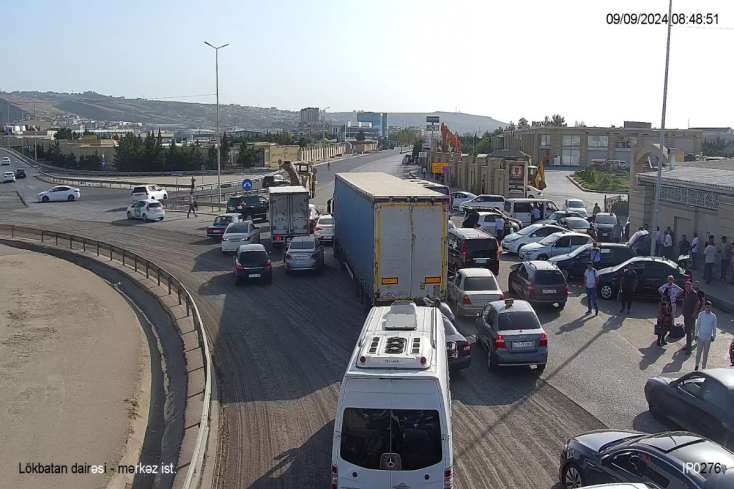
[(706, 325), (668, 245), (591, 280), (709, 260), (499, 227), (673, 291)]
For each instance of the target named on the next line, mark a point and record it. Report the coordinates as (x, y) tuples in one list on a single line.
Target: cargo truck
[(289, 213), (391, 236)]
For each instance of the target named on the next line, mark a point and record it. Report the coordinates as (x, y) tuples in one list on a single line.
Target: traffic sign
[(247, 184)]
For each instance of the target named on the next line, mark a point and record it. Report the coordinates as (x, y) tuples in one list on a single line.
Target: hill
[(457, 121)]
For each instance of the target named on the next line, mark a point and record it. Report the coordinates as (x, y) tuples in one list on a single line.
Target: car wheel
[(539, 369), (542, 257), (491, 360), (561, 305), (45, 198), (571, 477), (70, 198), (129, 215), (606, 292), (145, 217), (519, 248)]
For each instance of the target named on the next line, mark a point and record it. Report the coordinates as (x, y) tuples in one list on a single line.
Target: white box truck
[(288, 212)]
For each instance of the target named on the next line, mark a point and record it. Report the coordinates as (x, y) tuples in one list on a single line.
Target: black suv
[(19, 173), (651, 273), (538, 282), (472, 248), (251, 206)]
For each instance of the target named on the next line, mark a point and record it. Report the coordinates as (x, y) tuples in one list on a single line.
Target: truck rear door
[(428, 258), (298, 210)]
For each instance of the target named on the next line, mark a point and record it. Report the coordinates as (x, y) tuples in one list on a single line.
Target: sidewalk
[(720, 293)]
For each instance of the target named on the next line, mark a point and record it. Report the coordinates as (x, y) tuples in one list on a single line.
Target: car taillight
[(568, 291), (466, 347), (448, 479), (278, 237), (499, 342), (268, 264), (334, 477), (466, 299), (543, 341)]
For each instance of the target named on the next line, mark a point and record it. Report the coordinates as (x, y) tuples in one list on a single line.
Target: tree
[(511, 126), (522, 123), (247, 156), (557, 120), (579, 124), (360, 135), (64, 133), (417, 147), (405, 136)]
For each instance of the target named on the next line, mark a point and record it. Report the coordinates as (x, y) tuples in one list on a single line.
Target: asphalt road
[(281, 350)]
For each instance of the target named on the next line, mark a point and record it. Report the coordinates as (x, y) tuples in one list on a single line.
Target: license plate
[(549, 291), (254, 275), (522, 344), (481, 260)]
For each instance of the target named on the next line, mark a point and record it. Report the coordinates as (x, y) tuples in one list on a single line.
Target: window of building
[(570, 156), (599, 142), (545, 140), (571, 140)]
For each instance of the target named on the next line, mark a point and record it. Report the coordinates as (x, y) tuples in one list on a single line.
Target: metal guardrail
[(175, 287)]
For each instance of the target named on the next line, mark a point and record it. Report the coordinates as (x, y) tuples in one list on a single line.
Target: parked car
[(147, 210), (304, 253), (669, 460), (576, 205), (252, 262), (484, 201), (251, 206), (471, 289), (458, 347), (573, 264), (8, 177), (554, 245), (576, 224), (148, 192), (324, 230), (555, 217), (485, 220), (58, 193), (532, 192), (216, 230), (640, 242), (19, 173), (5, 161), (539, 283), (512, 335), (514, 242), (470, 248), (237, 234), (702, 402), (652, 272), (606, 227), (458, 198)]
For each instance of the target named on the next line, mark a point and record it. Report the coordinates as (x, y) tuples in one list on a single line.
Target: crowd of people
[(713, 254)]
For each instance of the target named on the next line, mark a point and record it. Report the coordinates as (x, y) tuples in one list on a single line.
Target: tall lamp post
[(219, 150), (659, 180)]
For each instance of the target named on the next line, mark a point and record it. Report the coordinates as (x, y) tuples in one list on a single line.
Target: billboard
[(433, 119), (516, 177)]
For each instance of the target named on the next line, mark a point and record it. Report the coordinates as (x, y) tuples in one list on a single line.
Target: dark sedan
[(19, 173), (573, 264), (251, 206), (458, 347), (606, 227), (252, 262), (699, 401), (651, 272), (672, 460)]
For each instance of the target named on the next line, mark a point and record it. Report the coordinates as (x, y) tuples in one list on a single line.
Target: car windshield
[(233, 201), (413, 434), (326, 221), (237, 228), (253, 258), (140, 190), (306, 244), (575, 204), (577, 223), (580, 250), (548, 277), (529, 229), (509, 320), (706, 450), (485, 246), (251, 200), (154, 205), (222, 220), (480, 283), (602, 219), (549, 240)]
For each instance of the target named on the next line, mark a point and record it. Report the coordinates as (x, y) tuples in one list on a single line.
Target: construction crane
[(450, 141)]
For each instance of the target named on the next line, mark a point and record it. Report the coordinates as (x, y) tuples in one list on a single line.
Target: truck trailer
[(391, 236), (288, 213)]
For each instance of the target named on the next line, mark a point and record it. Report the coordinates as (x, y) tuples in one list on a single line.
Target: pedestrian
[(596, 209), (595, 254), (709, 258), (499, 227), (706, 324), (192, 207), (627, 287), (668, 244), (664, 321), (672, 290), (726, 252), (591, 280), (695, 250), (423, 171), (535, 213), (684, 246), (691, 308), (659, 241), (731, 267)]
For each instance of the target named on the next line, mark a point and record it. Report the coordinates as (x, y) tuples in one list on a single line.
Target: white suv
[(148, 192)]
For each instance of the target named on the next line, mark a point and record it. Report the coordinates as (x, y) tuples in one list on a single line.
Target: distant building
[(310, 115), (716, 134), (377, 120)]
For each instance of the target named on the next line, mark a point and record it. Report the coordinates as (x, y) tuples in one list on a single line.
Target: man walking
[(673, 291), (695, 250), (192, 207), (709, 258), (706, 325), (535, 213), (627, 287), (691, 308), (591, 279), (499, 227), (668, 244), (726, 251)]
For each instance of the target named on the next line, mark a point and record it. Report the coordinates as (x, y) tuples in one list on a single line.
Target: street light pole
[(659, 180), (218, 141)]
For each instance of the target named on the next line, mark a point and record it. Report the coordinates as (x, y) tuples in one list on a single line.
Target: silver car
[(472, 289), (304, 253), (553, 245), (238, 234)]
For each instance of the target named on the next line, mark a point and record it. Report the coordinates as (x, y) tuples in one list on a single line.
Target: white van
[(521, 209), (393, 419)]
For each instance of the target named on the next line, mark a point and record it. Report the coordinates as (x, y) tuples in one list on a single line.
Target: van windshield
[(367, 435), (522, 207)]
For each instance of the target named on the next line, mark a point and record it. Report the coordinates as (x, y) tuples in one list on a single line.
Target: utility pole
[(218, 141), (659, 180)]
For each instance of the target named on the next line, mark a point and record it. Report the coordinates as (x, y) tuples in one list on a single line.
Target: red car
[(216, 230)]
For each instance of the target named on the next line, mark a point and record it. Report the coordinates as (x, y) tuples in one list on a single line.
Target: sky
[(504, 59)]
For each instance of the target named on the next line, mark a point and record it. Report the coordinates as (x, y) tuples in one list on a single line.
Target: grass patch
[(603, 181)]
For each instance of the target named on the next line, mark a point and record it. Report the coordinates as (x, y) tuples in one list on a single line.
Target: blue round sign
[(247, 184)]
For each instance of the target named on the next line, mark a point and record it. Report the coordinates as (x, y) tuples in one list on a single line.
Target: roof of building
[(711, 178), (382, 185)]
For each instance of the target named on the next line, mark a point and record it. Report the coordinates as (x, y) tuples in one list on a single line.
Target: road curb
[(584, 189), (21, 198)]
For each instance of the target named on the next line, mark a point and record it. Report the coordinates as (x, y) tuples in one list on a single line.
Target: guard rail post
[(147, 275), (135, 258), (123, 256), (97, 248), (84, 245), (56, 235), (41, 236)]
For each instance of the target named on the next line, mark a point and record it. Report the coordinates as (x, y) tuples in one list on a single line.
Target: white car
[(471, 289), (59, 192), (484, 201), (532, 192), (148, 192), (147, 210), (576, 205), (553, 245), (5, 161), (8, 177), (514, 242), (238, 234), (458, 198), (324, 230)]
